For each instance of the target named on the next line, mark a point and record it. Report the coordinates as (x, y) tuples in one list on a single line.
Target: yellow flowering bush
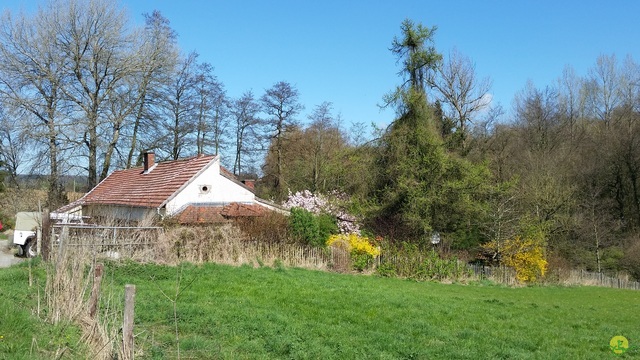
[(361, 250), (525, 255)]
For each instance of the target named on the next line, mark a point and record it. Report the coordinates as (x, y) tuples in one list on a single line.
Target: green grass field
[(245, 313), (22, 334)]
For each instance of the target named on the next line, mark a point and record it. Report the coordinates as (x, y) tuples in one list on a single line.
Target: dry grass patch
[(227, 244), (69, 280)]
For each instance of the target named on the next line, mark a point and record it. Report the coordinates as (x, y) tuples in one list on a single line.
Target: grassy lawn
[(22, 334), (265, 313), (244, 313)]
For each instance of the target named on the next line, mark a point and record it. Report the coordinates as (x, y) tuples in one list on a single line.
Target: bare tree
[(318, 157), (211, 109), (359, 133), (501, 217), (612, 95), (460, 91), (571, 99), (537, 113), (281, 103), (32, 75), (177, 106), (117, 110), (159, 55), (603, 88), (629, 88), (15, 143), (326, 138), (94, 40), (244, 115)]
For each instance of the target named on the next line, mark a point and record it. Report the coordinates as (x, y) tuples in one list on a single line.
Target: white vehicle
[(25, 234), (29, 225)]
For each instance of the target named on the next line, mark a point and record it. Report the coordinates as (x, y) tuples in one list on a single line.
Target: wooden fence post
[(95, 290), (127, 326), (46, 235), (61, 242)]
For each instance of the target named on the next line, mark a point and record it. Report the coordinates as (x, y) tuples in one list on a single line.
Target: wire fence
[(111, 241)]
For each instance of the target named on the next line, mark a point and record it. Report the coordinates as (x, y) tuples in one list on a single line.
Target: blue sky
[(337, 50)]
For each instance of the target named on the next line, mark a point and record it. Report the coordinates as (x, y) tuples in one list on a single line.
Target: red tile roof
[(200, 215), (195, 214), (70, 206), (132, 187), (243, 210)]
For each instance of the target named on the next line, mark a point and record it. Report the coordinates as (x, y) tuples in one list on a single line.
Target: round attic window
[(205, 189)]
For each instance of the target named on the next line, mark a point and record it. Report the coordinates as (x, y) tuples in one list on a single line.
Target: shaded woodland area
[(82, 91)]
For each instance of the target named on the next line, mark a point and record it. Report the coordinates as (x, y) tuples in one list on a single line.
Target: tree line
[(80, 88), (82, 91), (559, 172)]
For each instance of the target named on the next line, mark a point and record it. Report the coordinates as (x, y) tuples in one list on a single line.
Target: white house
[(192, 190)]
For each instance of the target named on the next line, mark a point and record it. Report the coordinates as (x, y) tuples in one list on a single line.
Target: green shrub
[(311, 229), (327, 226), (387, 269), (302, 225), (411, 261), (360, 260)]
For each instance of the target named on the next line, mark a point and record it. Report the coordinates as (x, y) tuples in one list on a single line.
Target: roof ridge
[(134, 187)]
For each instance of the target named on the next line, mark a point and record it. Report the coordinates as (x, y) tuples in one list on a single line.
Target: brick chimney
[(148, 159)]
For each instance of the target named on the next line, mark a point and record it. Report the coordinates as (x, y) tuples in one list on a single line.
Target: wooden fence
[(582, 277), (294, 255), (505, 275), (140, 243), (500, 274)]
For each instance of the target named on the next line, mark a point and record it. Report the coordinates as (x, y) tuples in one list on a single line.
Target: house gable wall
[(209, 187)]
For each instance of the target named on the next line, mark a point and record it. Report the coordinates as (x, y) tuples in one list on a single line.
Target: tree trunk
[(236, 164), (136, 126), (56, 191), (175, 152), (110, 149), (92, 146), (278, 184), (597, 236)]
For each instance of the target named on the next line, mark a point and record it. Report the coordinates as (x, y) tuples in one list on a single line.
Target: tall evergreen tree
[(421, 187)]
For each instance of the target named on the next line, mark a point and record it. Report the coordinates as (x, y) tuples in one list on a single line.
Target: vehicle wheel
[(31, 248)]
